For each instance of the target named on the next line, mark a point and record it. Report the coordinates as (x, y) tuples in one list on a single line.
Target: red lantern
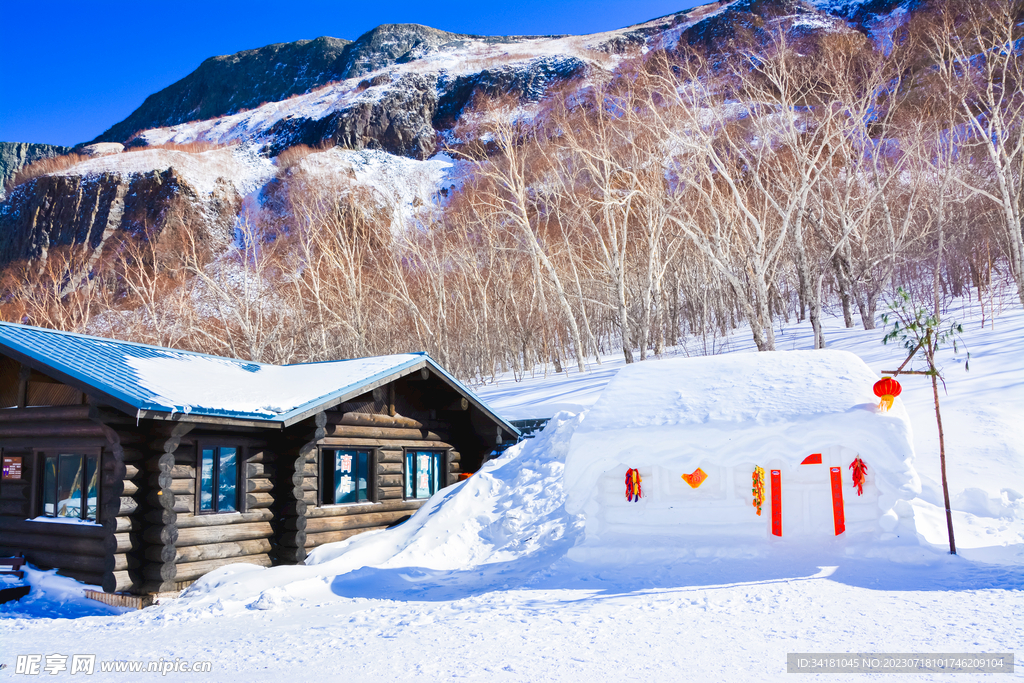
[(887, 389)]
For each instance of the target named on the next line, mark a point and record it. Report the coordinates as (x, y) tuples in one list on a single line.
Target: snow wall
[(727, 415)]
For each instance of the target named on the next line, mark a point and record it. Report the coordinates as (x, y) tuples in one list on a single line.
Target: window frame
[(39, 488), (241, 455), (445, 464), (372, 494)]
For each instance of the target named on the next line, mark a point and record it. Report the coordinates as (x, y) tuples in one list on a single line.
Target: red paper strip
[(776, 503), (838, 515), (812, 459)]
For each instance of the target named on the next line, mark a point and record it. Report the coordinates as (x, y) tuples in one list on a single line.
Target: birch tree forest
[(660, 207)]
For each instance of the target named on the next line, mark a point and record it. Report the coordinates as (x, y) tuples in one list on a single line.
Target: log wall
[(389, 436), (77, 550)]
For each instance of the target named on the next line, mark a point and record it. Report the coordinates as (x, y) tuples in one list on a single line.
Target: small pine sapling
[(918, 330)]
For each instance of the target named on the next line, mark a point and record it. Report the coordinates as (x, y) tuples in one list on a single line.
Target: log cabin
[(140, 468)]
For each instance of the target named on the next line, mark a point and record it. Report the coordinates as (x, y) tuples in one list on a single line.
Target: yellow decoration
[(758, 488)]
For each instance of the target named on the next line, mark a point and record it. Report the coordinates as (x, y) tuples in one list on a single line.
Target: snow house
[(140, 468), (700, 432)]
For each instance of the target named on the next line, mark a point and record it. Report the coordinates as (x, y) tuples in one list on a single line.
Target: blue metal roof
[(113, 368)]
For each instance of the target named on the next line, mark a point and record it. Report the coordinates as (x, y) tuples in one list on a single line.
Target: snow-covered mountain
[(398, 89)]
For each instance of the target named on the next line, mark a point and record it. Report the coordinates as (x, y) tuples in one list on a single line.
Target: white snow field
[(479, 584)]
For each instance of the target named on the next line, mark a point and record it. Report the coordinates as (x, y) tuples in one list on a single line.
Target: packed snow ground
[(477, 585)]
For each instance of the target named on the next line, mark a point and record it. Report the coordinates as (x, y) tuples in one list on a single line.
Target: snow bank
[(503, 524)]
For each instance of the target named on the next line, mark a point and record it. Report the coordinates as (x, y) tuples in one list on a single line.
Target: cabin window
[(346, 476), (70, 486), (424, 473), (218, 478)]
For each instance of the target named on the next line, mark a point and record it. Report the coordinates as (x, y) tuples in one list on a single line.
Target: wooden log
[(64, 430), (44, 413), (390, 457), (293, 523), (387, 433), (389, 480), (364, 508), (55, 443), (294, 507), (160, 499), (46, 559), (222, 534), (389, 467), (265, 456), (334, 536), (89, 578), (175, 471), (310, 497), (130, 489), (117, 581), (184, 504), (134, 455), (122, 543), (34, 528), (161, 535), (256, 470), (188, 571), (116, 468), (71, 544), (221, 551), (161, 554), (390, 493), (122, 561), (15, 508), (254, 501), (15, 492), (185, 487), (131, 472), (292, 539), (352, 442), (258, 485), (167, 571), (290, 555), (122, 524), (161, 517), (375, 420), (200, 521), (375, 519)]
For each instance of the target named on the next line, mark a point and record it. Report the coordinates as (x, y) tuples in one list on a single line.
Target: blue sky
[(72, 69)]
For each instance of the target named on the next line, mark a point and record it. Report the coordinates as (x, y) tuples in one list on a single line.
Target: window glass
[(92, 481), (362, 475), (422, 473), (346, 472), (69, 485), (50, 486), (410, 474), (228, 478), (206, 481)]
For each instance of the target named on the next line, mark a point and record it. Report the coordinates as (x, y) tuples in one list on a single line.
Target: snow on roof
[(169, 380), (739, 408), (204, 384)]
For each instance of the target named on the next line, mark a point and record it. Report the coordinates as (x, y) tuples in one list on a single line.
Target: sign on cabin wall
[(12, 468)]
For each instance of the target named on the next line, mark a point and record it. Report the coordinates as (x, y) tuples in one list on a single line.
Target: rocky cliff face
[(227, 84), (16, 155), (62, 210)]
